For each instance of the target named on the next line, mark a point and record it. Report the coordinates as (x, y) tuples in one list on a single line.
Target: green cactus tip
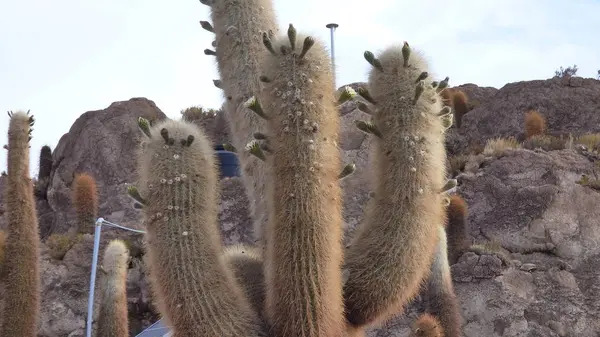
[(347, 94), (364, 93), (259, 136), (348, 170), (364, 108), (268, 43), (450, 184), (207, 2), (133, 192), (309, 41), (253, 104), (218, 83), (418, 91), (292, 36), (406, 54), (422, 76), (370, 57), (230, 148), (254, 148), (210, 52), (164, 133), (443, 84), (368, 127), (265, 79), (206, 25), (144, 125)]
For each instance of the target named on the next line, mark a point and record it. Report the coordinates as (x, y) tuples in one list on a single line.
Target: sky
[(62, 58)]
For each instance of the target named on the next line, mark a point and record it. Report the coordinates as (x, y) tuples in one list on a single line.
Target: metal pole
[(332, 27), (90, 313)]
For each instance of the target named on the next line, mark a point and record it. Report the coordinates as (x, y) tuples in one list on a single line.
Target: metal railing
[(98, 231)]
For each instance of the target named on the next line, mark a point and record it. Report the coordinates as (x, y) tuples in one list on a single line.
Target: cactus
[(239, 27), (427, 326), (456, 228), (85, 202), (440, 297), (391, 251), (304, 235), (112, 316), (535, 123), (41, 187), (460, 105), (195, 288), (22, 277)]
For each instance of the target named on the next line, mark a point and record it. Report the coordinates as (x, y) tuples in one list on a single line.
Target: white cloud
[(66, 57)]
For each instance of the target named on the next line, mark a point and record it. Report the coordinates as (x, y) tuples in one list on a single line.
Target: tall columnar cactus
[(247, 265), (304, 235), (239, 27), (112, 317), (440, 297), (22, 279), (44, 171), (392, 250), (85, 202), (194, 285)]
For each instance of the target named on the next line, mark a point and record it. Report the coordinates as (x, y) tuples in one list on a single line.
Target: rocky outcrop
[(541, 279)]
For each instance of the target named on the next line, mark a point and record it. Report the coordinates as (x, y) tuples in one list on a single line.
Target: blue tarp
[(155, 330)]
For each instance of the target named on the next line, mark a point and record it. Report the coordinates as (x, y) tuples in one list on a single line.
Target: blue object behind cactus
[(228, 162)]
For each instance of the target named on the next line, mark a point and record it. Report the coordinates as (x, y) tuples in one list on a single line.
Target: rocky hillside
[(535, 224)]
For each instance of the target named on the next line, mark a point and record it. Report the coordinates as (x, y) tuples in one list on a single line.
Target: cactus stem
[(364, 92), (253, 104), (187, 142), (207, 26), (268, 44), (207, 2), (347, 94), (254, 149), (210, 52), (218, 83), (368, 127), (434, 84), (292, 36), (265, 79), (309, 41), (133, 192), (422, 76), (418, 91), (406, 54), (348, 170), (370, 57), (364, 108)]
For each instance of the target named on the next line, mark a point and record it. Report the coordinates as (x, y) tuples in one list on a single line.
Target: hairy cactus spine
[(304, 234), (456, 228), (238, 27), (85, 201), (22, 277), (427, 326), (112, 318), (392, 250), (440, 297), (195, 288)]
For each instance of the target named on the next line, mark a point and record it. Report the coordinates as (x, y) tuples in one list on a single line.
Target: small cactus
[(427, 326), (456, 228), (535, 124), (85, 201), (112, 317)]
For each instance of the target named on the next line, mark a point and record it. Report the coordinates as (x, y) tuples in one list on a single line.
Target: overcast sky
[(64, 57)]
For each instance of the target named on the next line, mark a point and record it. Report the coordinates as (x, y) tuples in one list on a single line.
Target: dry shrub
[(586, 181), (497, 147), (60, 244), (545, 142), (590, 141), (212, 121), (535, 124), (457, 164)]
